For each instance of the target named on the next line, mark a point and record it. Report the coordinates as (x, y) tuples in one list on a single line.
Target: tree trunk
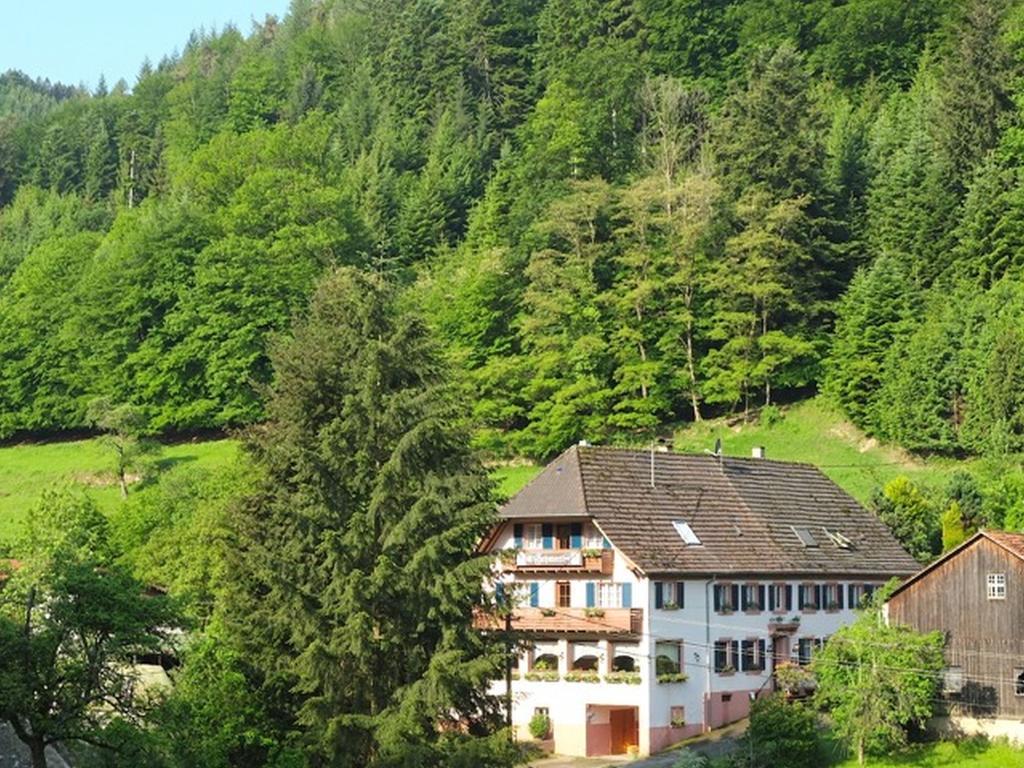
[(123, 482), (37, 749)]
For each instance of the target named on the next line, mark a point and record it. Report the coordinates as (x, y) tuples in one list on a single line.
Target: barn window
[(953, 680), (1018, 685), (997, 586)]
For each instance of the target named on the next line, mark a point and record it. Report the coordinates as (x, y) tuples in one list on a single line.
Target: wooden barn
[(975, 595)]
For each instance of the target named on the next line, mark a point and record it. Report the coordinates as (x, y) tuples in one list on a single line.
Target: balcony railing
[(560, 560), (590, 621)]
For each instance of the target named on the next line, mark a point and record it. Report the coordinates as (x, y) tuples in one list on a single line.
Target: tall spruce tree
[(354, 560)]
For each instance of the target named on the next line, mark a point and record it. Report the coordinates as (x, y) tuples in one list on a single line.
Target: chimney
[(757, 451), (584, 444)]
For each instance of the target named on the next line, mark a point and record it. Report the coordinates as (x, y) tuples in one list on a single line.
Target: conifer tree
[(354, 565)]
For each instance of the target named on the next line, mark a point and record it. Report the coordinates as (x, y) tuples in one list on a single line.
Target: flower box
[(623, 678)]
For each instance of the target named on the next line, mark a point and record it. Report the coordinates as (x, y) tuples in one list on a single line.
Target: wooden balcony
[(578, 621), (559, 561)]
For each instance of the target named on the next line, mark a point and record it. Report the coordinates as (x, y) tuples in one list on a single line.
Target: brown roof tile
[(743, 511)]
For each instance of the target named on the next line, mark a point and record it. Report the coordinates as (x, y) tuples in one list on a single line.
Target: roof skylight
[(805, 536), (685, 532)]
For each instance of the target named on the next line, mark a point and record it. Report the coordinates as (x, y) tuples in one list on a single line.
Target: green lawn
[(968, 754), (28, 469)]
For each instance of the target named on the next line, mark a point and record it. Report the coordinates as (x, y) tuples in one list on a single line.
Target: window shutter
[(869, 589), (771, 598), (743, 599), (801, 598), (627, 595), (762, 658), (517, 535), (681, 594), (760, 597), (735, 653), (735, 596), (789, 597), (658, 597), (744, 661), (817, 596), (719, 656), (839, 594), (576, 535), (547, 531), (499, 593), (534, 594), (718, 598), (851, 598), (591, 598)]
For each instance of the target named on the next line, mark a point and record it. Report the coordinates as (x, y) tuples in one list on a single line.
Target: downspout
[(708, 653)]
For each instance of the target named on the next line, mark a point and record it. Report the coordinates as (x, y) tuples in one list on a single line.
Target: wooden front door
[(780, 651), (625, 730)]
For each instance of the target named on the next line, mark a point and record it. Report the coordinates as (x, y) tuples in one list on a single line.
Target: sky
[(75, 41)]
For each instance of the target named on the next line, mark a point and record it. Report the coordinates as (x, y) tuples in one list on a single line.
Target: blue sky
[(75, 41)]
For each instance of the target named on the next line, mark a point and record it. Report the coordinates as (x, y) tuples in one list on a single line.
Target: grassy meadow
[(973, 753), (808, 431)]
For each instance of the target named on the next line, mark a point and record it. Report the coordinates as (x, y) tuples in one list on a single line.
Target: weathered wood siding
[(985, 637)]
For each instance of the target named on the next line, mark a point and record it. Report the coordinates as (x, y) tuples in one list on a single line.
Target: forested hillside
[(616, 215)]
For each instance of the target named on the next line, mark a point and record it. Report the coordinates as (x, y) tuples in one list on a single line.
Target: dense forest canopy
[(616, 215)]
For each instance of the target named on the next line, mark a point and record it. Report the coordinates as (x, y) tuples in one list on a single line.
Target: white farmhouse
[(656, 592)]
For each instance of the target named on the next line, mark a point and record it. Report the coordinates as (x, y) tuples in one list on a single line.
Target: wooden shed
[(975, 595)]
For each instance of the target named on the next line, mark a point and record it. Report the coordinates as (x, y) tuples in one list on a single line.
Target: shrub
[(673, 677), (582, 676), (782, 733), (540, 726), (687, 758), (628, 678)]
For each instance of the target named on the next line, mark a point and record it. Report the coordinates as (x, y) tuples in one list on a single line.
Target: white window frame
[(608, 594), (533, 536), (996, 586)]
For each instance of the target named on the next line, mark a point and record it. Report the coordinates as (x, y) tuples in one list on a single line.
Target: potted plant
[(548, 612), (669, 605), (673, 677), (508, 556), (592, 557), (728, 669), (593, 613), (540, 726), (623, 678), (582, 676)]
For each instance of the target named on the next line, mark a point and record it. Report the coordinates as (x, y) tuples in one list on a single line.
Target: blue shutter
[(763, 663), (851, 598), (735, 597), (771, 598), (606, 544), (547, 532), (744, 604), (659, 599), (681, 594), (499, 593), (839, 594), (591, 594), (718, 598), (534, 594), (760, 597), (789, 597), (576, 535), (627, 595), (517, 535), (818, 596), (801, 598)]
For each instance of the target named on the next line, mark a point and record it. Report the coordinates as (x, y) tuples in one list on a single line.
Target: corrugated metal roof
[(742, 510)]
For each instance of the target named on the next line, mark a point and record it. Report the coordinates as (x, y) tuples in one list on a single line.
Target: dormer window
[(686, 533)]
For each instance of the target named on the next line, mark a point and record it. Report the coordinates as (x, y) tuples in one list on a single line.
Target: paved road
[(712, 744)]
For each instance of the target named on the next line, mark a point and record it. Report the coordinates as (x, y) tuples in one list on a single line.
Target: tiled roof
[(742, 510)]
